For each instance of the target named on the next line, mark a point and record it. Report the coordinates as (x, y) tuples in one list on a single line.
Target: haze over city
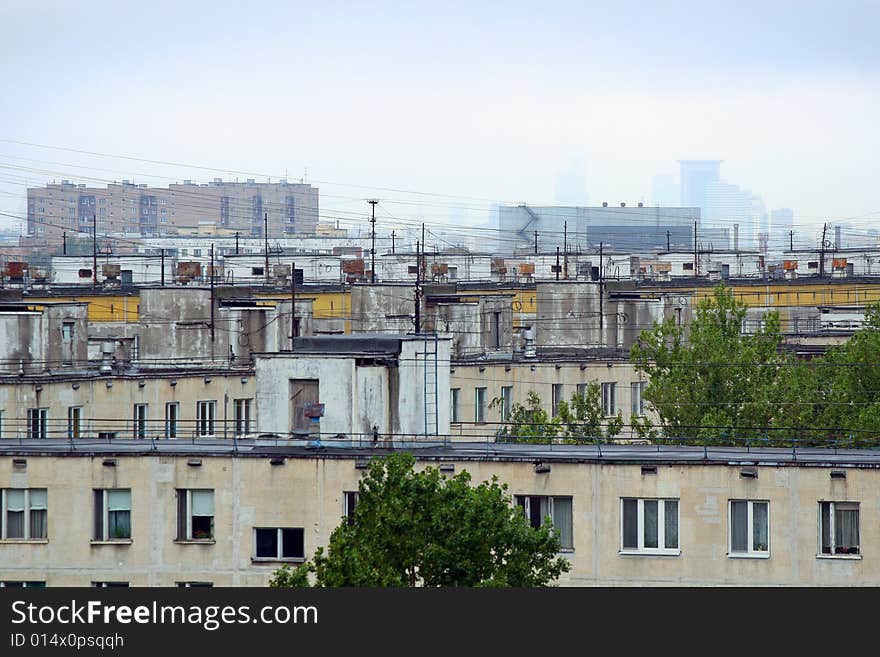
[(569, 103)]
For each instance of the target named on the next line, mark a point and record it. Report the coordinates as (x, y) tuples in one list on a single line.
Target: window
[(649, 526), (256, 271), (67, 332), (242, 416), (582, 390), (37, 421), (608, 404), (749, 528), (140, 421), (190, 585), (538, 508), (279, 543), (112, 514), (205, 413), (109, 585), (479, 404), (556, 392), (455, 400), (349, 504), (839, 528), (637, 391), (688, 266), (24, 513), (195, 515), (506, 401), (74, 422), (496, 330), (24, 585), (172, 416)]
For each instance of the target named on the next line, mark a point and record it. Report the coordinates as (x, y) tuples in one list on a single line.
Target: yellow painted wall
[(117, 308)]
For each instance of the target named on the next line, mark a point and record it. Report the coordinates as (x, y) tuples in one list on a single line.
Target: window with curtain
[(538, 508), (749, 528), (649, 526), (24, 513), (195, 515), (839, 528), (202, 514)]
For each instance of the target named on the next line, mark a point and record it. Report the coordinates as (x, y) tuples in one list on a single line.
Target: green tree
[(420, 528), (710, 381), (581, 419)]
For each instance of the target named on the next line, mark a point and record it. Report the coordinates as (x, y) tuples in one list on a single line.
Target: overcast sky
[(479, 100)]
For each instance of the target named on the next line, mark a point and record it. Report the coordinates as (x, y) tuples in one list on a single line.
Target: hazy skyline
[(487, 102)]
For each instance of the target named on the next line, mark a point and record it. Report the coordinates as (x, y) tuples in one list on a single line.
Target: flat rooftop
[(429, 449)]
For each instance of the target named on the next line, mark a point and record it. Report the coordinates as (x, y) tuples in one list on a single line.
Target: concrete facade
[(262, 487), (140, 210), (397, 384)]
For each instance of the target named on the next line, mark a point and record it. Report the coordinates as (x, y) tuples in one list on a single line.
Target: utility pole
[(95, 250), (601, 294), (373, 202), (565, 246), (64, 243), (791, 240), (696, 262), (536, 242), (236, 242), (292, 303), (418, 314), (212, 300), (421, 272), (667, 241), (392, 241), (266, 244), (822, 251), (557, 263), (162, 267)]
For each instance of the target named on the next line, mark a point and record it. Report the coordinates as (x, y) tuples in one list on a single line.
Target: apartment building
[(139, 210), (224, 515)]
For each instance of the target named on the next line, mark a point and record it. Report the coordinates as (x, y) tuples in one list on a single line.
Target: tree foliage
[(424, 529), (713, 383), (580, 419)]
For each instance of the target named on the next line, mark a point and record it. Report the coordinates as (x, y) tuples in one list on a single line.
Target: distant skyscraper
[(696, 176), (728, 204), (665, 191)]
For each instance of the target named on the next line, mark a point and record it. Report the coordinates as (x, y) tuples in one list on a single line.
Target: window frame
[(350, 499), (26, 519), (208, 422), (480, 404), (172, 425), (506, 402), (140, 415), (750, 552), (834, 504), (242, 421), (105, 517), (74, 422), (637, 398), (641, 550), (41, 420), (455, 405), (609, 404), (279, 546), (551, 508), (187, 505), (557, 394)]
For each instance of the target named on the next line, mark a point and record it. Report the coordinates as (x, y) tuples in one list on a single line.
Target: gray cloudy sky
[(480, 100)]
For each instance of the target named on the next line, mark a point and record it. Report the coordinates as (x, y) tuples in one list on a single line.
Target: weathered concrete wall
[(176, 326), (22, 342), (248, 494), (111, 408), (382, 308)]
